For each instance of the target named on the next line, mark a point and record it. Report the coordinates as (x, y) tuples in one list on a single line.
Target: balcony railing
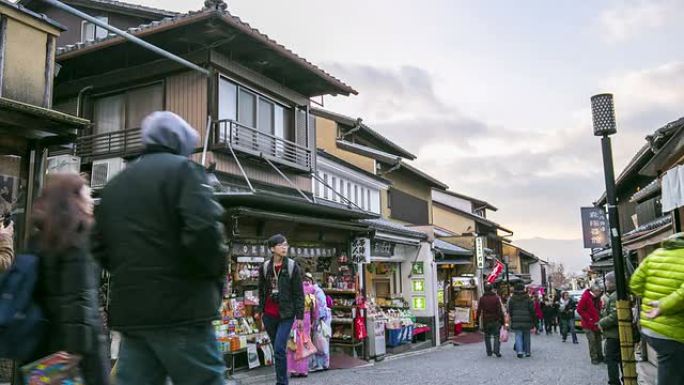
[(253, 142), (110, 145)]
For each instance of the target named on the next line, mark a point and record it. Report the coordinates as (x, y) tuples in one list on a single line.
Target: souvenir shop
[(320, 247), (399, 285), (456, 288)]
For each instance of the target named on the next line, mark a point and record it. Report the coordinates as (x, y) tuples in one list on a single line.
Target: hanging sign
[(382, 249), (479, 252), (361, 250), (594, 227)]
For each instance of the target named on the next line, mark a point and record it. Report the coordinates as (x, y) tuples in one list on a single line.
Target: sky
[(493, 96)]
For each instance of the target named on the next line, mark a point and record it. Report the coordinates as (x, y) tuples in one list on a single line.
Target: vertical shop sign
[(419, 302), (594, 227), (479, 252), (361, 250), (417, 268)]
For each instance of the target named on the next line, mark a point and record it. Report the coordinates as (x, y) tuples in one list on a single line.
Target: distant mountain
[(568, 252)]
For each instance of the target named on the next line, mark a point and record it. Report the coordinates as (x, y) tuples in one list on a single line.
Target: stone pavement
[(552, 363)]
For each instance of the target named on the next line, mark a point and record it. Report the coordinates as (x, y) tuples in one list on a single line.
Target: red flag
[(496, 272)]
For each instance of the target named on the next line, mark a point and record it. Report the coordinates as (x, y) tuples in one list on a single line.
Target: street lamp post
[(603, 113)]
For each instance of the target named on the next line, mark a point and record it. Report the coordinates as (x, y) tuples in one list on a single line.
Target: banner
[(496, 272), (594, 227)]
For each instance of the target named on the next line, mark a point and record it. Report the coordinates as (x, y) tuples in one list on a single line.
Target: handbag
[(305, 346), (503, 334), (59, 368), (292, 341)]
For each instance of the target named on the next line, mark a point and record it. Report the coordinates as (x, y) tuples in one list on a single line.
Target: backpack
[(21, 319), (290, 267)]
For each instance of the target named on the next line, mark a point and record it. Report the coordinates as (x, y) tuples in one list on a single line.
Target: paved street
[(552, 363)]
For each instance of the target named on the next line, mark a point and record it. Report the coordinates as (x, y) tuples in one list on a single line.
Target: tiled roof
[(232, 20), (20, 7), (114, 4), (659, 222), (648, 190), (449, 249)]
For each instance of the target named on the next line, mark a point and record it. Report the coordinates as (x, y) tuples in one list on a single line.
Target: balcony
[(252, 142), (125, 143)]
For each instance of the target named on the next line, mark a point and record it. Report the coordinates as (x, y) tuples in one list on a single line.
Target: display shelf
[(342, 307), (394, 307), (341, 321), (346, 343), (339, 291)]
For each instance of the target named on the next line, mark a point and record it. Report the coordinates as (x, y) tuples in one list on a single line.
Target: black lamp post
[(603, 113)]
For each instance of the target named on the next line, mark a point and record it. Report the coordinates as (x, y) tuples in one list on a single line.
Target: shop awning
[(648, 238), (449, 249), (290, 202), (394, 232), (454, 261), (287, 217)]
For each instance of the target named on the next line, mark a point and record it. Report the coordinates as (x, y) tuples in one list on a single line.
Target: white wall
[(424, 255), (452, 201), (535, 273), (364, 191)]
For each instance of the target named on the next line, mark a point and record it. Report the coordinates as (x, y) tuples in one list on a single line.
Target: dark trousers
[(613, 361), (595, 345), (567, 326), (491, 331), (548, 324), (670, 360), (279, 332)]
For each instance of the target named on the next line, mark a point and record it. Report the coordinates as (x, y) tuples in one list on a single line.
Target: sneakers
[(520, 355), (528, 355), (498, 355)]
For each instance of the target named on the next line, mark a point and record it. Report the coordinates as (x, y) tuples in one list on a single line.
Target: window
[(342, 191), (349, 196), (356, 195), (334, 186), (368, 200), (318, 185), (127, 109), (247, 108), (250, 109), (325, 179), (90, 31), (363, 199)]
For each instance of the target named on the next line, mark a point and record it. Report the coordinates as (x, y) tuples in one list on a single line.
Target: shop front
[(400, 287), (456, 288), (320, 246)]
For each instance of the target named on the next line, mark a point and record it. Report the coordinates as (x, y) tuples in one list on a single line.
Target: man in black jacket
[(158, 234), (281, 300)]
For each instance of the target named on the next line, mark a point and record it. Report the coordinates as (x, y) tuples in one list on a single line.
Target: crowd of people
[(658, 282), (157, 231)]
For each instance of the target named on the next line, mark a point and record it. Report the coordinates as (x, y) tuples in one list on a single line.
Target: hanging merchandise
[(360, 327)]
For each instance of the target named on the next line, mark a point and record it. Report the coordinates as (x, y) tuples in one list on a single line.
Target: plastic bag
[(305, 346), (292, 341), (503, 334)]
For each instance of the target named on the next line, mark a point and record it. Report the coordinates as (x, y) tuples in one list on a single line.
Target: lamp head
[(603, 113)]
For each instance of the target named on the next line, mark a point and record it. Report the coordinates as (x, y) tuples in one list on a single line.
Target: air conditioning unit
[(61, 164), (104, 170)]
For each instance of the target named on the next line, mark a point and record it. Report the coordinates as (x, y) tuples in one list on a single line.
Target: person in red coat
[(589, 309), (490, 308)]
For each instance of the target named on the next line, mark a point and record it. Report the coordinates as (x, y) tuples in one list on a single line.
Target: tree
[(557, 278)]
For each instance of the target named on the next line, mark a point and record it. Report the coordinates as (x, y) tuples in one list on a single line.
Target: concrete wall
[(25, 57), (326, 139)]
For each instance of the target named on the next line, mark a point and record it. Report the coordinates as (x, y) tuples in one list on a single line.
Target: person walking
[(566, 315), (659, 281), (608, 324), (523, 320), (160, 237), (300, 367), (589, 309), (6, 259), (539, 314), (67, 284), (281, 301), (550, 313), (322, 329), (490, 309)]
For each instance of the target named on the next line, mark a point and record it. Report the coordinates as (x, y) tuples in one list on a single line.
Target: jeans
[(491, 330), (568, 326), (670, 360), (613, 360), (279, 332), (595, 345), (523, 342), (188, 355)]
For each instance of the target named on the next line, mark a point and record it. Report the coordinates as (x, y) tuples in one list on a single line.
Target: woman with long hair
[(68, 277)]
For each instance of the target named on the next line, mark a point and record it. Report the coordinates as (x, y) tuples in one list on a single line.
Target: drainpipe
[(79, 99), (127, 36)]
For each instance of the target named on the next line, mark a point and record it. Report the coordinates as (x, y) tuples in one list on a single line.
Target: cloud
[(537, 178), (631, 18)]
